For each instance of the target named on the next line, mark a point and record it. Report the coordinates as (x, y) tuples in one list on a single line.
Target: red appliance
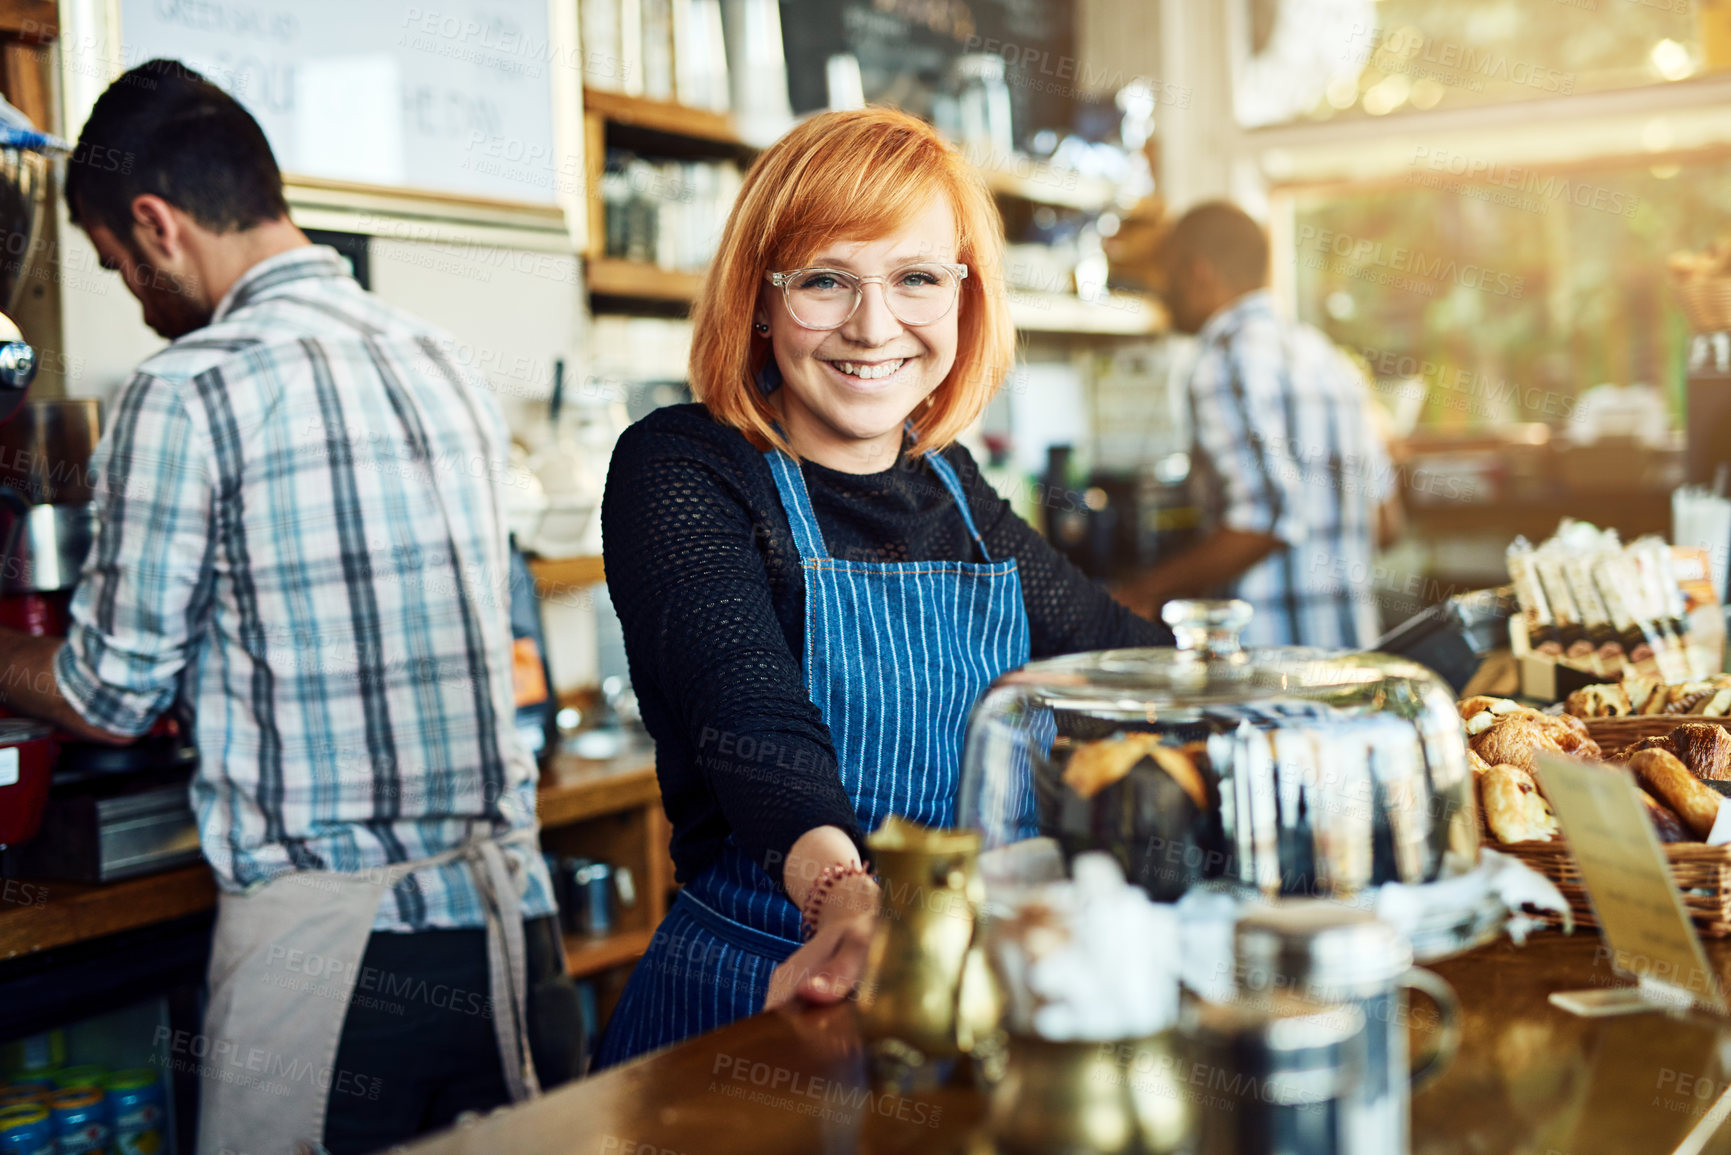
[(27, 753)]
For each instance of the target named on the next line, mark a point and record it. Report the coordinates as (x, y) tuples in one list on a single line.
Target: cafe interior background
[(1481, 200)]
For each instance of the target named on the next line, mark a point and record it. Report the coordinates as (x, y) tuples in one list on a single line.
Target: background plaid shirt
[(1282, 443), (302, 537)]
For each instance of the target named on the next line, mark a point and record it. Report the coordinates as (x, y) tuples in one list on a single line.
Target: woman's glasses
[(915, 294)]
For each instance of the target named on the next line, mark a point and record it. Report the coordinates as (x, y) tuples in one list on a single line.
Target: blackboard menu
[(906, 49)]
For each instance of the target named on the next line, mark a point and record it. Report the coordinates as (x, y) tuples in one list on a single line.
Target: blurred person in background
[(1287, 463)]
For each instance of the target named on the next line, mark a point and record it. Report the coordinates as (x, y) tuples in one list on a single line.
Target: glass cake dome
[(1276, 772)]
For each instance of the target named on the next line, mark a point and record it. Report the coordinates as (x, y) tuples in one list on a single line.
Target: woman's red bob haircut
[(850, 176)]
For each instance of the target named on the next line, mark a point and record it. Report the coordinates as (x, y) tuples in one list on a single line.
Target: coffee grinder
[(72, 809)]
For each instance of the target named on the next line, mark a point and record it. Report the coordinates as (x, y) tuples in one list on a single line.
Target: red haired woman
[(814, 580)]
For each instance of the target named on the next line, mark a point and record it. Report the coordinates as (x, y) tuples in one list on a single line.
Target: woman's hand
[(828, 968)]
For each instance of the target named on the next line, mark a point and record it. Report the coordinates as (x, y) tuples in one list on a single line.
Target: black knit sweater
[(704, 574)]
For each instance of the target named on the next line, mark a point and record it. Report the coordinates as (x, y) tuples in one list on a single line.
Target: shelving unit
[(612, 277), (608, 810), (677, 131), (604, 809), (1043, 184)]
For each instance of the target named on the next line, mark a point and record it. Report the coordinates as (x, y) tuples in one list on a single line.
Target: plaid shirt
[(1282, 444), (302, 538)]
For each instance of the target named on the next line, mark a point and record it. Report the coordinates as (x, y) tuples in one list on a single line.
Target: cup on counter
[(590, 894)]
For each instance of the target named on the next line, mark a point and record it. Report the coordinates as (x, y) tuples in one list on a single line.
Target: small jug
[(927, 997)]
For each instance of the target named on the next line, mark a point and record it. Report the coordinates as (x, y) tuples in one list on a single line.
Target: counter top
[(1529, 1080), (41, 915)]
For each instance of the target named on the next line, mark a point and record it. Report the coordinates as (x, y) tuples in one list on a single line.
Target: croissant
[(1513, 741)]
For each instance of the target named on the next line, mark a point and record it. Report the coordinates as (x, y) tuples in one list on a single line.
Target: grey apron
[(283, 966)]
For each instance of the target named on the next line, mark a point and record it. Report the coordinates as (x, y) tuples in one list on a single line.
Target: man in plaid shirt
[(302, 539), (1287, 465)]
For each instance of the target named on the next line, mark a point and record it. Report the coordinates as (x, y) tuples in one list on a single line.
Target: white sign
[(454, 97)]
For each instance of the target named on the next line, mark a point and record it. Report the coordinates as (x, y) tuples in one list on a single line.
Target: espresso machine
[(68, 809)]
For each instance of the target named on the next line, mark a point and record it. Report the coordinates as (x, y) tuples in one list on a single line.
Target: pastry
[(1513, 809), (1657, 742), (1096, 765), (1569, 733), (1606, 700), (1182, 770), (1666, 778), (1665, 822), (1718, 706), (1513, 741), (1705, 749), (1478, 764), (1481, 712), (1652, 694)]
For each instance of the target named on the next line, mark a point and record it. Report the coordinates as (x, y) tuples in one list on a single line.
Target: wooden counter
[(37, 916), (1529, 1080)]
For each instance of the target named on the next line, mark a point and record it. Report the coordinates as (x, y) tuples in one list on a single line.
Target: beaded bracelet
[(826, 881)]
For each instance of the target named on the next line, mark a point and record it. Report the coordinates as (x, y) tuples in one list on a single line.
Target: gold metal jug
[(927, 996), (1106, 1098)]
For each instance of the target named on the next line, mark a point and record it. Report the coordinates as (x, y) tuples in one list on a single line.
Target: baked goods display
[(1709, 697), (1593, 603), (1673, 769)]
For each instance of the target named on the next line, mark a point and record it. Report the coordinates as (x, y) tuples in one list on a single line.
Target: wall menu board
[(906, 48), (451, 97)]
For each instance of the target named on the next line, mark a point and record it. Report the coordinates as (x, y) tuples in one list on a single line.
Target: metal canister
[(26, 1129), (81, 1123), (589, 887), (135, 1104), (1331, 953), (1276, 1077)]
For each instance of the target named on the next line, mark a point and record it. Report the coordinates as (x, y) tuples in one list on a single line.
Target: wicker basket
[(1706, 302), (1702, 874), (1612, 734)]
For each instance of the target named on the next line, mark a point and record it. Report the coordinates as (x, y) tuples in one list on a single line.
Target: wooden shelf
[(574, 789), (588, 956), (43, 915), (554, 575), (612, 277), (665, 118), (1117, 315), (1043, 184)]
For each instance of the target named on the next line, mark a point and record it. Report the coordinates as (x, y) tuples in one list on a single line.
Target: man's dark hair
[(1226, 237), (163, 129)]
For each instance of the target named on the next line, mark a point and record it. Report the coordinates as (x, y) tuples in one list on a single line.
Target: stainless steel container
[(1277, 1077), (1330, 953), (50, 549), (45, 451)]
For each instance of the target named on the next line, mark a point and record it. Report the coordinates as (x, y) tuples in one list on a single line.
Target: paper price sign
[(1628, 879)]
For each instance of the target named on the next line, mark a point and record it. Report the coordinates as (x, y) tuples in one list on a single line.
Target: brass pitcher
[(1106, 1098), (927, 996)]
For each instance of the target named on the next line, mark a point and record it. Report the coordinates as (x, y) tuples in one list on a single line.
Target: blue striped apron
[(895, 656)]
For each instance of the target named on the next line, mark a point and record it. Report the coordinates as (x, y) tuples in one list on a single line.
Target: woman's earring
[(761, 327)]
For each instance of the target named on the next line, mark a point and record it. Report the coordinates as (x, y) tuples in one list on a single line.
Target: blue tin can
[(26, 1129), (135, 1104), (81, 1121)]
